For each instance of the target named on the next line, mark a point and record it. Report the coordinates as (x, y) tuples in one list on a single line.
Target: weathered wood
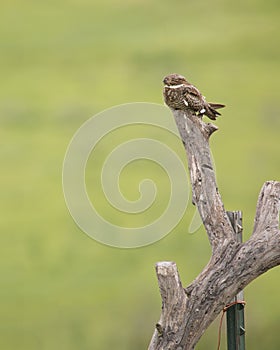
[(232, 266), (174, 301), (195, 135)]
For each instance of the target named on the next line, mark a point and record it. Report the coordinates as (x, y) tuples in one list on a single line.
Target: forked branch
[(187, 313)]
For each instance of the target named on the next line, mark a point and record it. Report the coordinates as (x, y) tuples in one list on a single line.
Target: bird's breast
[(173, 97)]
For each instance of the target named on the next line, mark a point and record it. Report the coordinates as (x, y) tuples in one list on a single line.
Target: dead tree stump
[(186, 313)]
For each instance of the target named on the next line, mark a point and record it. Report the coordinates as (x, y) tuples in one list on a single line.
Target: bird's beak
[(165, 81)]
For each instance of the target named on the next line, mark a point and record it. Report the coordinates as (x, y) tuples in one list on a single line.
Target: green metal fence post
[(235, 313)]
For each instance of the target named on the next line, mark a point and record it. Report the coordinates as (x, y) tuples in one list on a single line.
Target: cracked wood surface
[(186, 313)]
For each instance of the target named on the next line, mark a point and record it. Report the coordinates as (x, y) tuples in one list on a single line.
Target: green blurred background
[(61, 63)]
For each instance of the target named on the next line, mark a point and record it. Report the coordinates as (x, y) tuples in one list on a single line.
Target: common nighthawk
[(180, 94)]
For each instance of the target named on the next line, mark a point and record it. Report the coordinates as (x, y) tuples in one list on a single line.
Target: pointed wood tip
[(210, 128)]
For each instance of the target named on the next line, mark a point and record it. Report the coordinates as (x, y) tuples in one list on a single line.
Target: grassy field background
[(62, 62)]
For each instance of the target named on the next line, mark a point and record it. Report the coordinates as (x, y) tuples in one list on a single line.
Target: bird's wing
[(193, 98), (192, 90)]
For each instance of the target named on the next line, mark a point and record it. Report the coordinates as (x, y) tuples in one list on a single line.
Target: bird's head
[(174, 79)]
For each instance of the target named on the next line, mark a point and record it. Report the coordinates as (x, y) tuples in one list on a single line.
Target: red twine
[(222, 317)]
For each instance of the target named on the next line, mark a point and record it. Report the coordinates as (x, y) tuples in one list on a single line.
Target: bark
[(186, 313)]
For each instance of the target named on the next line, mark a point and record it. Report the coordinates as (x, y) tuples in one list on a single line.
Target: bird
[(179, 94)]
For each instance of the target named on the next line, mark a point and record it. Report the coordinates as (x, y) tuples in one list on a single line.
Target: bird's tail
[(211, 110), (216, 105)]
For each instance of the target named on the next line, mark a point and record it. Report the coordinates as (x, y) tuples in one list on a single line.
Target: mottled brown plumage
[(180, 94)]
